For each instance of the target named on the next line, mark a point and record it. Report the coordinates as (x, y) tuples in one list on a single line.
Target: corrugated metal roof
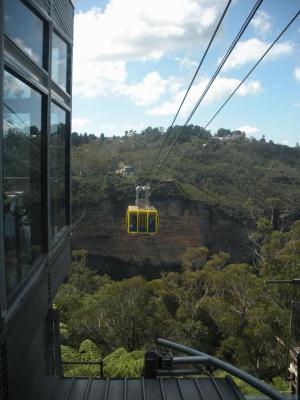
[(146, 389)]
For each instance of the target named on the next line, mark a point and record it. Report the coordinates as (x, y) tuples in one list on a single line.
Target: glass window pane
[(142, 222), (22, 110), (151, 223), (58, 168), (59, 61), (25, 28), (132, 222)]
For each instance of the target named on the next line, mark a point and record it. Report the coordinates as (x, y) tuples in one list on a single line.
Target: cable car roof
[(139, 209)]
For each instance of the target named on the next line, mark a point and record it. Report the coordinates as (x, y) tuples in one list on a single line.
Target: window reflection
[(151, 223), (142, 222), (25, 28), (57, 168), (59, 61), (22, 108)]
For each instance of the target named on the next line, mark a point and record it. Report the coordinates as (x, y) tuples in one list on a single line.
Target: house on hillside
[(125, 170)]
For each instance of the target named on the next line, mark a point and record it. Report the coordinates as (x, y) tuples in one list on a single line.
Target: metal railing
[(197, 359)]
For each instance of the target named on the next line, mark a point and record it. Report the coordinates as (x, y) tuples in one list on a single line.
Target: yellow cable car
[(142, 218)]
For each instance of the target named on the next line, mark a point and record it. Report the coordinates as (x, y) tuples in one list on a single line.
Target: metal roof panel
[(146, 389)]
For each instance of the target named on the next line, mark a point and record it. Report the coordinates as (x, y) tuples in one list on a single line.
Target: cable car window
[(133, 222), (151, 223), (57, 146), (22, 115), (142, 222), (25, 28)]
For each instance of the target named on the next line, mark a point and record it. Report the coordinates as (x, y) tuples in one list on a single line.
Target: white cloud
[(97, 78), (251, 50), (262, 22), (167, 108), (297, 74), (187, 63), (80, 124), (249, 130), (149, 90), (106, 40), (138, 28), (221, 88)]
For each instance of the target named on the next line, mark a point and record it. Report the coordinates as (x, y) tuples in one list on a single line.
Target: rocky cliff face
[(182, 224)]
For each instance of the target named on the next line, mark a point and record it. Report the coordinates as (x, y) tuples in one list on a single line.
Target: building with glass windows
[(35, 92)]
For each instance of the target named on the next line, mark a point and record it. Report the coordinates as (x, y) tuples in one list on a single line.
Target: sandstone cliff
[(183, 224)]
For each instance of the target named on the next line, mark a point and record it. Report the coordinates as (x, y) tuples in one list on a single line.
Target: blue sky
[(134, 59)]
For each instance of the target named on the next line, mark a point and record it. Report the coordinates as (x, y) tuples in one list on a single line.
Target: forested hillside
[(226, 310), (243, 176), (231, 312)]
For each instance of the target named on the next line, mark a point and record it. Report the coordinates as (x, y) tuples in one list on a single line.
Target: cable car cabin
[(142, 220)]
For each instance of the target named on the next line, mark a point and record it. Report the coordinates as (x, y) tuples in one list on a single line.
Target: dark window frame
[(3, 297), (44, 228), (68, 61), (55, 239), (133, 222), (48, 95), (44, 66), (142, 222)]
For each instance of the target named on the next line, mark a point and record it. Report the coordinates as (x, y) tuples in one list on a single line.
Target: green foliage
[(218, 260), (248, 319), (89, 350), (118, 364), (281, 385), (64, 330), (194, 258), (69, 354), (229, 171), (225, 310), (278, 257), (82, 279), (110, 312), (122, 364)]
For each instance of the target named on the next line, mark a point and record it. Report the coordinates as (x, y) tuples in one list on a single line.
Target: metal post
[(147, 195), (101, 369), (137, 196), (298, 372), (3, 300), (46, 140)]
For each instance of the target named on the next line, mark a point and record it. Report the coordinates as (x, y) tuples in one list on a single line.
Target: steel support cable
[(79, 219), (231, 48), (191, 84), (233, 93)]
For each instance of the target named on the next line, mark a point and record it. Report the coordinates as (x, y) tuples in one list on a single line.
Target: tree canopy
[(228, 170), (228, 311)]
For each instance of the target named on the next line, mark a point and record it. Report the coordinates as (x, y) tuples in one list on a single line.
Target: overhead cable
[(231, 48), (235, 90), (191, 83)]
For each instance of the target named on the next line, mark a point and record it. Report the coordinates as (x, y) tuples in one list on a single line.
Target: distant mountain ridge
[(242, 176)]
